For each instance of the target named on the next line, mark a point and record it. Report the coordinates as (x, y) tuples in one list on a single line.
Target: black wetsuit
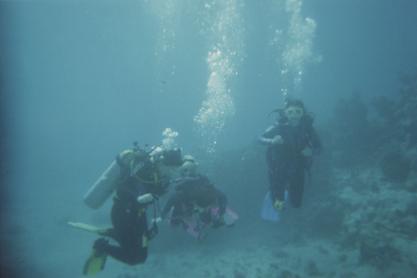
[(130, 225), (286, 163), (190, 191)]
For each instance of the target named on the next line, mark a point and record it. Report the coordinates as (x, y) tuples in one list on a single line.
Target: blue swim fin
[(268, 211)]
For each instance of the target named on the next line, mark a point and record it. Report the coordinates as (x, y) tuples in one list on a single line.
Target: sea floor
[(41, 244), (252, 249)]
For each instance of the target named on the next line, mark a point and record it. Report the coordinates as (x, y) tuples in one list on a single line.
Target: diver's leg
[(277, 182), (296, 188), (132, 254), (176, 215), (130, 231)]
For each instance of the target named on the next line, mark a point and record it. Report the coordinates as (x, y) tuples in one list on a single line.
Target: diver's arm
[(267, 138), (172, 201), (221, 198), (130, 162), (177, 183), (315, 141), (121, 162)]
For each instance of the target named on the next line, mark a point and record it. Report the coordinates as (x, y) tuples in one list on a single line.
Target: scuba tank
[(107, 183), (103, 187)]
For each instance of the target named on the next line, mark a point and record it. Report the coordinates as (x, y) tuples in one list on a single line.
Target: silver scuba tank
[(107, 183), (103, 188)]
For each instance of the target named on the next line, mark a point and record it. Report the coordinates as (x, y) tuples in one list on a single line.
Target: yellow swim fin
[(95, 263)]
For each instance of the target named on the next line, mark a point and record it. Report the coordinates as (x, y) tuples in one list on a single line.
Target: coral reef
[(378, 253), (373, 204), (380, 223), (352, 135), (362, 131), (397, 117), (395, 166)]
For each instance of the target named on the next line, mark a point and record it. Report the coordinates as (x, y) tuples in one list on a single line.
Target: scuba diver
[(196, 204), (291, 142), (143, 176)]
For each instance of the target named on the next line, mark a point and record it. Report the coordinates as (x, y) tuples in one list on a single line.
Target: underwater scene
[(208, 138)]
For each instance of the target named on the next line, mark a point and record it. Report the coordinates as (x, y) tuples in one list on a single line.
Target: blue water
[(82, 80)]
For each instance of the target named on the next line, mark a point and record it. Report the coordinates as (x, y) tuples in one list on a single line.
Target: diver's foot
[(100, 245), (279, 205)]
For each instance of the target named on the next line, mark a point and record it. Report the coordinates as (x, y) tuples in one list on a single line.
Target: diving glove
[(145, 198), (279, 205)]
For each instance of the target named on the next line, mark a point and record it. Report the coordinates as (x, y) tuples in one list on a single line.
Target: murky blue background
[(83, 79)]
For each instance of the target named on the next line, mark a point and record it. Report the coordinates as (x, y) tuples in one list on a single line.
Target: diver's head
[(167, 157), (188, 167), (167, 160), (294, 110), (172, 157)]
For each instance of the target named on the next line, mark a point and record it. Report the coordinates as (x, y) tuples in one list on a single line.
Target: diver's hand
[(279, 205), (145, 198), (277, 140), (307, 151)]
